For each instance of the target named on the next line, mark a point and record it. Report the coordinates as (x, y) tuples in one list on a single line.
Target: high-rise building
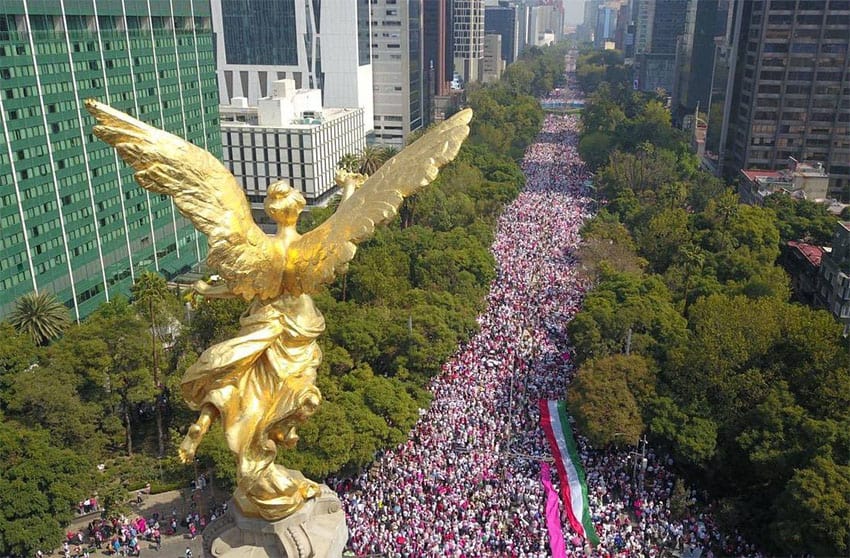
[(73, 221), (624, 38), (658, 39), (606, 25), (437, 48), (397, 70), (644, 15), (321, 44), (468, 26), (288, 136), (545, 24), (493, 65), (504, 21), (695, 53), (587, 29), (790, 95)]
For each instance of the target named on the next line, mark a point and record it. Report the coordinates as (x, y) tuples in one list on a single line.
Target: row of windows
[(9, 221), (271, 171), (238, 154), (50, 263), (35, 211), (48, 244), (790, 5), (11, 239), (24, 112), (14, 263), (9, 282)]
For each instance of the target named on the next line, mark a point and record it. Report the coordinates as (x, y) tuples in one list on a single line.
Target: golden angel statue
[(261, 383)]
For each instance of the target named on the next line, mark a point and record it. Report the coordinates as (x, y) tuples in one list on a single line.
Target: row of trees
[(108, 389), (688, 334)]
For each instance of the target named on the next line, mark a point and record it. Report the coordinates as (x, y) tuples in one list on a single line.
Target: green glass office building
[(73, 221)]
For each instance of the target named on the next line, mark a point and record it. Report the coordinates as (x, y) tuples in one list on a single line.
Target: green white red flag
[(553, 419)]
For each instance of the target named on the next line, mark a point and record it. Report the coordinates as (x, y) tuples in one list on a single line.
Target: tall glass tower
[(73, 221), (790, 90)]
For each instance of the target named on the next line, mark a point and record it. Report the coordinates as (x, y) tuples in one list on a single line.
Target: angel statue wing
[(317, 256), (205, 192)]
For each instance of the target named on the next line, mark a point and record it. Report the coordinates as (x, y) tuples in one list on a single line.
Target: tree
[(608, 246), (662, 238), (814, 510), (624, 302), (595, 147), (40, 316), (17, 353), (40, 484), (349, 162), (47, 397), (370, 159), (151, 297), (603, 400), (129, 381), (801, 219), (214, 320)]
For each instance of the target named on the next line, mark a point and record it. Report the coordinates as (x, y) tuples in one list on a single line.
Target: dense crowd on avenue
[(467, 481)]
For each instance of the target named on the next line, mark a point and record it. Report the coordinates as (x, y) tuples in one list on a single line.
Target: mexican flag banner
[(553, 419)]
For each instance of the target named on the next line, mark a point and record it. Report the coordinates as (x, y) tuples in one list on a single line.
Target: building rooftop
[(246, 117), (757, 175), (812, 253)]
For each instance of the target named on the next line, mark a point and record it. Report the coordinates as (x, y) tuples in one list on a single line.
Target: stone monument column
[(316, 530)]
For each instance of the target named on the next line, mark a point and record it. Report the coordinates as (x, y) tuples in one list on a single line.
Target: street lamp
[(640, 460)]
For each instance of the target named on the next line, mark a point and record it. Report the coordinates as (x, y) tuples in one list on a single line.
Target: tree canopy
[(750, 392)]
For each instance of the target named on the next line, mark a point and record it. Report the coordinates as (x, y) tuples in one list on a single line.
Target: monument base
[(317, 530)]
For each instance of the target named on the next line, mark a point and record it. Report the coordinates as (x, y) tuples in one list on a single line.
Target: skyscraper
[(437, 47), (73, 220), (588, 26), (321, 44), (659, 25), (503, 20), (397, 69), (493, 64), (791, 96), (606, 24), (695, 53), (468, 25)]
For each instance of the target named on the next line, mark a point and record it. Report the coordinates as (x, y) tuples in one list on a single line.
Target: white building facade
[(398, 85), (468, 25), (320, 44), (288, 136)]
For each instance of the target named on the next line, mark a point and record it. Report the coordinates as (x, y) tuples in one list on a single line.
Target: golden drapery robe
[(263, 384)]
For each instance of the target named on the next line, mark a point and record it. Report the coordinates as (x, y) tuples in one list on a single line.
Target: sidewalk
[(173, 546)]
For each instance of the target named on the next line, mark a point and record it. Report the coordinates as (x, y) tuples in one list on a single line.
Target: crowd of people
[(467, 481), (127, 535)]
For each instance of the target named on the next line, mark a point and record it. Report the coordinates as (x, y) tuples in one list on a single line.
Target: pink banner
[(553, 514)]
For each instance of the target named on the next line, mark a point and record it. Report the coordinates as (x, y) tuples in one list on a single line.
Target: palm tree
[(41, 316), (150, 292), (388, 153), (349, 162), (371, 158)]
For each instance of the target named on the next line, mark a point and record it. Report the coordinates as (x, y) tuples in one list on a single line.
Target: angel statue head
[(284, 203)]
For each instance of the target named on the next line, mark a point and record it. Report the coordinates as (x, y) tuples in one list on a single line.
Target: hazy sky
[(573, 11)]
